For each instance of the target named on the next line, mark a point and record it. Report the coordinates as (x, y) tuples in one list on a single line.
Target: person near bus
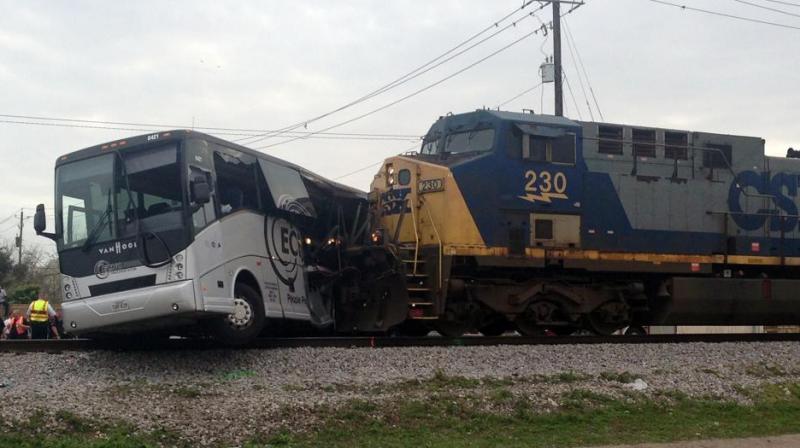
[(15, 327), (4, 302), (39, 314)]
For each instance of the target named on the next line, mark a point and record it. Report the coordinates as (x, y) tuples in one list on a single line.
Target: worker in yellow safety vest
[(39, 314)]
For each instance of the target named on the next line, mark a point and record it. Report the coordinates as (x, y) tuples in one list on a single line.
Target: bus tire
[(246, 323)]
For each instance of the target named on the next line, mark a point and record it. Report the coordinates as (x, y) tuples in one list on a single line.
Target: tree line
[(24, 279)]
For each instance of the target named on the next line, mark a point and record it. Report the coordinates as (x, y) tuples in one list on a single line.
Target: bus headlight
[(377, 237), (179, 275), (67, 287), (68, 295)]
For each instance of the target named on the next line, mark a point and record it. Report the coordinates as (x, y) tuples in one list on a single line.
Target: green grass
[(451, 418), (586, 418), (68, 430)]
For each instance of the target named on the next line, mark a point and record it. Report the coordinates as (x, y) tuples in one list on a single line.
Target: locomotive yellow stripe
[(642, 257)]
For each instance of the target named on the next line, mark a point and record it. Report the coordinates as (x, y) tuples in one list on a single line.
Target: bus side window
[(204, 214), (236, 182)]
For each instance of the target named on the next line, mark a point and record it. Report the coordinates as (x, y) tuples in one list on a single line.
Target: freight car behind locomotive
[(557, 225)]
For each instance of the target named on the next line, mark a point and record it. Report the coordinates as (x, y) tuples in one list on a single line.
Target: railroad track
[(56, 346)]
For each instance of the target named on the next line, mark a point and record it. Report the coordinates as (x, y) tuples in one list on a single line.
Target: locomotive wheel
[(494, 328), (635, 330), (608, 318), (537, 319), (450, 328), (245, 323), (412, 328)]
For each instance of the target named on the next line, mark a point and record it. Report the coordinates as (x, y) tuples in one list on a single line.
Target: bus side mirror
[(40, 223), (39, 220), (201, 191)]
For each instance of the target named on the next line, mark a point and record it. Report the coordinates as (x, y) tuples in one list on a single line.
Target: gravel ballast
[(209, 396)]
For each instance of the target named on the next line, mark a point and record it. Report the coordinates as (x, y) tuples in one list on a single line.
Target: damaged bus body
[(182, 230)]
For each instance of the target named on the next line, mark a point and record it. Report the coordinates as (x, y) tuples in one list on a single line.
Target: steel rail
[(58, 346)]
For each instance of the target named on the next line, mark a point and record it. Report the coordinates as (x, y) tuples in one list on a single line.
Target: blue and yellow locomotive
[(554, 225)]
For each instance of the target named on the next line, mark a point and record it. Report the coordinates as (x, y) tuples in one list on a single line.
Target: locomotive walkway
[(383, 341)]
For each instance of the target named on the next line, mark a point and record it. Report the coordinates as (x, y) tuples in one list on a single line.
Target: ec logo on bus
[(285, 251), (101, 269)]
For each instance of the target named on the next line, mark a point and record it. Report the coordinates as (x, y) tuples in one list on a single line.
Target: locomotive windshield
[(99, 199), (470, 141)]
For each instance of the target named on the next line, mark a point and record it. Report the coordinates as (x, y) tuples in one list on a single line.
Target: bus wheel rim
[(242, 315)]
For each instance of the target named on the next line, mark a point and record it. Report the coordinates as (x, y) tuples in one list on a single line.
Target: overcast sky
[(268, 64)]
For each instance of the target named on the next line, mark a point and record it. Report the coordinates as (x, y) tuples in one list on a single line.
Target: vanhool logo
[(117, 248), (285, 251)]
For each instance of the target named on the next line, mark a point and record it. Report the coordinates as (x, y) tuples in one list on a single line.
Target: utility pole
[(19, 238), (559, 93)]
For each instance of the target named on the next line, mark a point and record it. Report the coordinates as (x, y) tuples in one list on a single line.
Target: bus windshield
[(100, 199)]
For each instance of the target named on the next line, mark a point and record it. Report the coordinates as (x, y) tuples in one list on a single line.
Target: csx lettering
[(782, 187)]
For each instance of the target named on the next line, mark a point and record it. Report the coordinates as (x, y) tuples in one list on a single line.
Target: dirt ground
[(790, 441)]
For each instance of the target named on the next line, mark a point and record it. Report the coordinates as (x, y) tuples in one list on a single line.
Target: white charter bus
[(182, 230)]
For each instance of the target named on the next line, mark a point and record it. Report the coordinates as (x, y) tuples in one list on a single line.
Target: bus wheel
[(245, 323)]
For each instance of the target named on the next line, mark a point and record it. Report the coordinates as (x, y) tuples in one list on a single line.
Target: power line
[(518, 95), (322, 136), (580, 77), (413, 94), (424, 68), (176, 126), (420, 73), (796, 5), (569, 89), (722, 14), (780, 11), (571, 39), (372, 165)]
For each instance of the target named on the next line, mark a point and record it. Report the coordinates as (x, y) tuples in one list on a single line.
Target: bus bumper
[(116, 310)]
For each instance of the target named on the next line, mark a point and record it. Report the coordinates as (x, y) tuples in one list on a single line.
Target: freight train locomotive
[(554, 225)]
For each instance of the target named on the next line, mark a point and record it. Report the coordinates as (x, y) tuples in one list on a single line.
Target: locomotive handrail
[(439, 239), (416, 233)]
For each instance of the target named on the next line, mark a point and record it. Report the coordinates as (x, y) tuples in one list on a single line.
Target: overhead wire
[(174, 126), (780, 2), (571, 94), (372, 165), (580, 78), (571, 39), (723, 14), (411, 95), (780, 11), (519, 95), (422, 69), (323, 136)]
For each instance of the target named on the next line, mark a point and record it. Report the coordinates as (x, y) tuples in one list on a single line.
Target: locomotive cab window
[(470, 141), (559, 149)]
